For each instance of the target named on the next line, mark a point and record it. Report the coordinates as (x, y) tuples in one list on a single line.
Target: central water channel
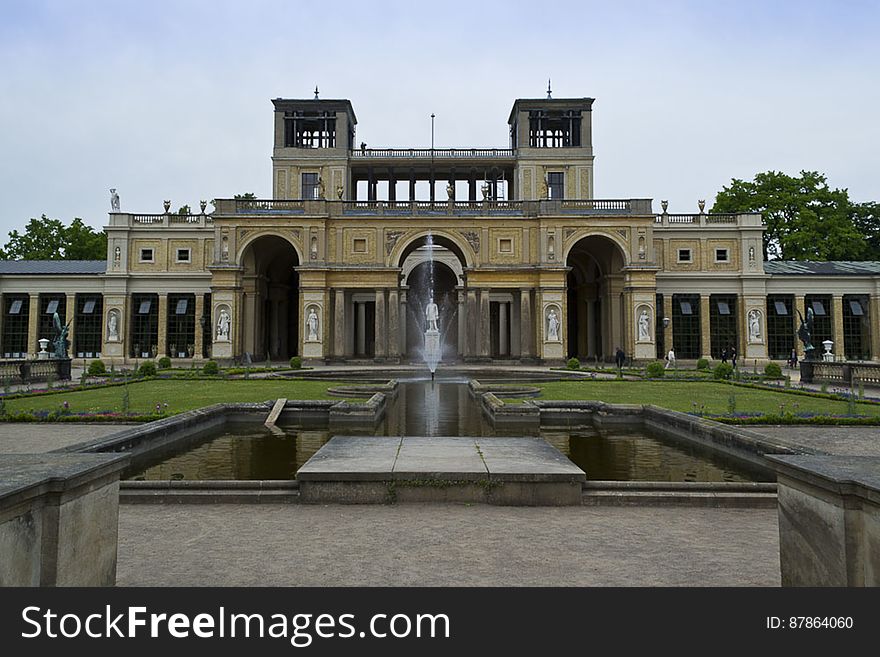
[(445, 408)]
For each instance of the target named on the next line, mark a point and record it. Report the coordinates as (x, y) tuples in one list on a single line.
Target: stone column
[(801, 307), (33, 346), (471, 346), (874, 326), (361, 337), (705, 334), (503, 330), (393, 324), (485, 325), (404, 320), (837, 320), (70, 317), (199, 311), (339, 323), (590, 328), (162, 342), (525, 332), (381, 338), (515, 328), (462, 321), (580, 311)]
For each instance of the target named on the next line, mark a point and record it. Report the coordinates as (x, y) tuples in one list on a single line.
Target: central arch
[(270, 318), (595, 301)]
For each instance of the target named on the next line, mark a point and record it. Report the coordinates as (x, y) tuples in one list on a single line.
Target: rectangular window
[(146, 255), (856, 330), (183, 255), (310, 186), (505, 245), (15, 325), (822, 324), (722, 323), (207, 327), (721, 255), (360, 245), (144, 326), (49, 305), (181, 325), (556, 185), (686, 325), (87, 334), (780, 326), (684, 255)]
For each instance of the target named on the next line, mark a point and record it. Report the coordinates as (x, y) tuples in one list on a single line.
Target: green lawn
[(713, 397), (180, 395)]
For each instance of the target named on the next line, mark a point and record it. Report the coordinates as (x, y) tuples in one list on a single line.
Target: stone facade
[(351, 230)]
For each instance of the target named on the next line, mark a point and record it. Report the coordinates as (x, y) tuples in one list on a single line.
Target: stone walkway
[(445, 545), (842, 441), (37, 437)]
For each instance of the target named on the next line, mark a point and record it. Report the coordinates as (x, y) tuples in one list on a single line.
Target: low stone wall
[(35, 371), (847, 373), (829, 520), (59, 518)]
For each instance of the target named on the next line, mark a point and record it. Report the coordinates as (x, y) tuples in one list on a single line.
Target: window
[(181, 334), (556, 185), (360, 245), (146, 255), (183, 255), (144, 325), (49, 305), (554, 129), (684, 255), (722, 323), (856, 331), (207, 327), (722, 255), (659, 329), (822, 325), (310, 186), (686, 325), (780, 326), (311, 130), (87, 334), (15, 325), (505, 245)]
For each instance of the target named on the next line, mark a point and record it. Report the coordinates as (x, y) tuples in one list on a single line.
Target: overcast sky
[(170, 100)]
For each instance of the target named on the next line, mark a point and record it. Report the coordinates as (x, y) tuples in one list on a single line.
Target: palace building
[(524, 262)]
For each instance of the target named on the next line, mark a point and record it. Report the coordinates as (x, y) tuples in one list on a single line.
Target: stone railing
[(34, 371), (181, 220), (436, 153), (436, 207), (706, 219), (842, 373)]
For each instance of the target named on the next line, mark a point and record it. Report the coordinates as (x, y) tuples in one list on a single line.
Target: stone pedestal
[(432, 349)]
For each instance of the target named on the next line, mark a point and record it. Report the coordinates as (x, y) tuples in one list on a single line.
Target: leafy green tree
[(50, 239), (247, 196), (806, 219), (866, 218), (184, 209)]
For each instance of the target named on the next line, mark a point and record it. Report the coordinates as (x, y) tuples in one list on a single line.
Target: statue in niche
[(754, 326), (432, 315), (223, 323), (321, 190), (114, 201), (113, 327), (450, 192), (224, 248), (644, 326), (552, 326), (312, 324)]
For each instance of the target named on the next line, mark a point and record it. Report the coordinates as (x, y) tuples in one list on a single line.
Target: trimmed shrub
[(655, 370), (210, 368), (702, 364), (772, 371), (723, 371), (573, 364), (97, 368), (164, 363), (147, 369), (296, 363)]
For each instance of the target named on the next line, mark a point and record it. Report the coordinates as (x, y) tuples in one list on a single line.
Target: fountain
[(432, 352)]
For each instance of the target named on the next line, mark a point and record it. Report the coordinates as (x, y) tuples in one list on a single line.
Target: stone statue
[(545, 190), (312, 323), (432, 314), (321, 188), (552, 326), (60, 340), (113, 327), (114, 201), (485, 190), (450, 192), (223, 322), (754, 326), (340, 190), (805, 333), (644, 326)]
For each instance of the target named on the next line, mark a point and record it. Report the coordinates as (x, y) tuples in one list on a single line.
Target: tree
[(247, 196), (866, 218), (50, 239), (806, 219)]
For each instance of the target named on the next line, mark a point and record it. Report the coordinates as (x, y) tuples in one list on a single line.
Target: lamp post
[(432, 134)]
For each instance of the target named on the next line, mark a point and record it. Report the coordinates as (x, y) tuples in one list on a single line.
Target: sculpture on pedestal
[(644, 326), (223, 324), (432, 314), (114, 201), (552, 326), (312, 325), (60, 340), (805, 333), (754, 326)]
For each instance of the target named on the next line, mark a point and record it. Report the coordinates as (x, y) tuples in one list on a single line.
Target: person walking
[(733, 357), (793, 359), (620, 357), (670, 358), (724, 355)]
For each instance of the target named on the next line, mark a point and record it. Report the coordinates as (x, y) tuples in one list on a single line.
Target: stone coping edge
[(856, 476)]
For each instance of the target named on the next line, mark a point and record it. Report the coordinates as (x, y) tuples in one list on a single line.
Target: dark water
[(445, 408)]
